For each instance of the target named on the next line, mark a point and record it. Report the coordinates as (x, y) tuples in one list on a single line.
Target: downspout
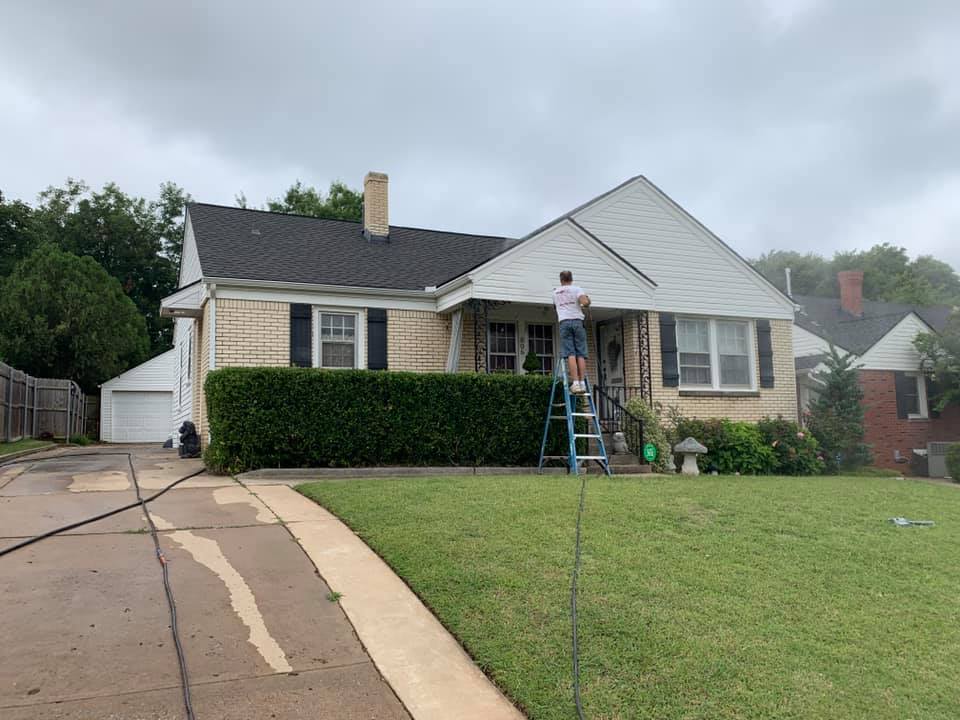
[(213, 327), (456, 337)]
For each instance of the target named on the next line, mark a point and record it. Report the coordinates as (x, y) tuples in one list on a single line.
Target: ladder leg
[(546, 422), (571, 430), (597, 429)]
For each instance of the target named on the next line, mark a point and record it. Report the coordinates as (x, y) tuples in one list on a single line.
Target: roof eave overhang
[(185, 302)]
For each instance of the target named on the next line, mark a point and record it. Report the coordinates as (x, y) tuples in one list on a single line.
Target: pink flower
[(775, 443), (801, 435)]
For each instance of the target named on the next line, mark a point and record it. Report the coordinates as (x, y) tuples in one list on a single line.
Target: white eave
[(185, 302)]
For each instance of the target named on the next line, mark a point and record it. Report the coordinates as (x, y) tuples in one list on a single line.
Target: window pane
[(693, 336), (336, 355), (540, 338), (732, 338), (734, 370), (503, 347)]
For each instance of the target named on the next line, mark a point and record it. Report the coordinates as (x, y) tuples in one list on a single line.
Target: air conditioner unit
[(937, 457)]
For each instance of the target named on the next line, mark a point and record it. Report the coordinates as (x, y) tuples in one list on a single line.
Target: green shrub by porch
[(302, 417)]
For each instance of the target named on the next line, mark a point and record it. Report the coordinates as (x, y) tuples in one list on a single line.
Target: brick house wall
[(885, 433), (252, 333), (418, 340), (766, 402)]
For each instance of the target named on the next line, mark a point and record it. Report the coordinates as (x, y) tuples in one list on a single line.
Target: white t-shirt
[(565, 298)]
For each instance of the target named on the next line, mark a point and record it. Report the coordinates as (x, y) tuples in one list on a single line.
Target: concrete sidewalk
[(85, 623)]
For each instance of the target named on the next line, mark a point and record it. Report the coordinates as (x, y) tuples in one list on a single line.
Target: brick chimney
[(851, 291), (376, 221)]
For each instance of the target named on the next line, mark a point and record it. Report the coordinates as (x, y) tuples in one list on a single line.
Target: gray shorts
[(573, 339)]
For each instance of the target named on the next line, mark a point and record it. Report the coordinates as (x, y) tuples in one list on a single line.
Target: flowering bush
[(797, 451)]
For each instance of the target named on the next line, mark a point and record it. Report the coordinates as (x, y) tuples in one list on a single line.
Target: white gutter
[(315, 287)]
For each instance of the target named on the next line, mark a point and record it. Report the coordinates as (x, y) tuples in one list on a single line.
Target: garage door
[(141, 416)]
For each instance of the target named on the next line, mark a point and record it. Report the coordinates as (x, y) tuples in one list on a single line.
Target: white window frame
[(714, 346), (921, 381), (360, 351), (517, 341), (524, 347)]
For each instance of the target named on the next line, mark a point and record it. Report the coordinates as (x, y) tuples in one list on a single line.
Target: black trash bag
[(189, 440)]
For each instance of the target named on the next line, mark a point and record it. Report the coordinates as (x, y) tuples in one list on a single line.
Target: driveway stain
[(238, 494), (103, 481), (207, 552)]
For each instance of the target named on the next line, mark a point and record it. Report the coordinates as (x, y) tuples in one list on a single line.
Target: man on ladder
[(570, 299)]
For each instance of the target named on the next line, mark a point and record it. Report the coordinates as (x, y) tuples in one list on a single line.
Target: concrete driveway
[(84, 621)]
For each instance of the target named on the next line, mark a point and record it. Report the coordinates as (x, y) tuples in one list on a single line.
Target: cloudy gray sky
[(800, 124)]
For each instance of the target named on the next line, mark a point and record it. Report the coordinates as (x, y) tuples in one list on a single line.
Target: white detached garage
[(135, 406)]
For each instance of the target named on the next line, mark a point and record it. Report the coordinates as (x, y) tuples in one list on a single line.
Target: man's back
[(566, 300)]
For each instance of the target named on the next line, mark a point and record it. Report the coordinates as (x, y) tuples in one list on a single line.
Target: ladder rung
[(556, 457), (559, 404), (583, 414), (593, 435), (592, 457), (558, 417)]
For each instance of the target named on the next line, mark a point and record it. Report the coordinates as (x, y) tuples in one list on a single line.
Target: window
[(693, 346), (715, 354), (915, 396), (338, 340), (733, 347), (540, 339), (502, 343)]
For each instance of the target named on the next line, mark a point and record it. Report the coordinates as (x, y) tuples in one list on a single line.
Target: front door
[(610, 351)]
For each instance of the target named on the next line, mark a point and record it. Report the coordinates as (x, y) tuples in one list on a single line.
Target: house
[(677, 316), (898, 417), (135, 405)]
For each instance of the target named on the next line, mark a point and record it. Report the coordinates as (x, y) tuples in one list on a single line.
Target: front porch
[(496, 337)]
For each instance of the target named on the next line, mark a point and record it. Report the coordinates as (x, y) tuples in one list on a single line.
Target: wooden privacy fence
[(33, 407)]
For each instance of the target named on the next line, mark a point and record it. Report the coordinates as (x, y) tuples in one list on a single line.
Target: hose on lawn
[(573, 604), (141, 502)]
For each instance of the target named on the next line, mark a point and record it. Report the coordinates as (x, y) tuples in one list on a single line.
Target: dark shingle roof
[(258, 245), (824, 317)]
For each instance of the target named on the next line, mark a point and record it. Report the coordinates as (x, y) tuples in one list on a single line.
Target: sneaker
[(577, 388)]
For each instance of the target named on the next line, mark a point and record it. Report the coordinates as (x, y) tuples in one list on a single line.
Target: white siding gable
[(694, 271), (806, 343), (895, 350), (530, 271), (189, 259), (153, 375)]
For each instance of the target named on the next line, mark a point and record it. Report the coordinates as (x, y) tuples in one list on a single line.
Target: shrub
[(732, 447), (953, 462), (797, 451), (303, 417), (654, 431)]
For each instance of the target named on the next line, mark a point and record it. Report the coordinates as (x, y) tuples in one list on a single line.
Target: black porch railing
[(611, 402)]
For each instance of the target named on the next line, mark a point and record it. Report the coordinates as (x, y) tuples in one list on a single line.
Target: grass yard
[(25, 444), (715, 597)]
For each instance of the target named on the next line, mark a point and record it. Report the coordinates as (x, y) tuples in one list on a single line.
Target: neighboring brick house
[(898, 416), (677, 316)]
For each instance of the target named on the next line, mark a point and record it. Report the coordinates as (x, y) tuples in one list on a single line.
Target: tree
[(882, 265), (836, 416), (941, 356), (809, 273), (135, 240), (17, 233), (340, 202), (65, 317)]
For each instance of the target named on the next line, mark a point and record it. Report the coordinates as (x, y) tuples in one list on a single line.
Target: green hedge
[(770, 447), (296, 417)]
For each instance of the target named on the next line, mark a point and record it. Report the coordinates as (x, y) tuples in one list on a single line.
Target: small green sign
[(649, 452)]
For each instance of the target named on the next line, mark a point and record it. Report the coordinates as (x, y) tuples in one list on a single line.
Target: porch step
[(624, 459)]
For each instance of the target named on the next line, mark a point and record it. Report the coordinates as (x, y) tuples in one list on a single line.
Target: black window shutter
[(301, 335), (904, 385), (668, 350), (376, 339), (765, 353)]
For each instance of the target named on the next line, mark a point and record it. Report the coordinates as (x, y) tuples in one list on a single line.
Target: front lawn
[(714, 597), (24, 444)]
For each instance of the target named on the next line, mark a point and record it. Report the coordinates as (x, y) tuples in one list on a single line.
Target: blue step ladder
[(571, 411)]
